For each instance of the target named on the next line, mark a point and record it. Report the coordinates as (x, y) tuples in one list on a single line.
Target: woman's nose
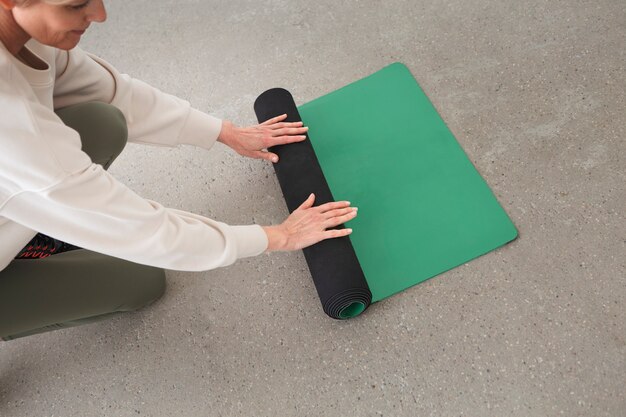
[(97, 13)]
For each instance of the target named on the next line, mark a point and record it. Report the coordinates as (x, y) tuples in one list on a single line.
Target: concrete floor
[(535, 93)]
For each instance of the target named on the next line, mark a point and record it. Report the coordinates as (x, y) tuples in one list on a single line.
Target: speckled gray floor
[(535, 93)]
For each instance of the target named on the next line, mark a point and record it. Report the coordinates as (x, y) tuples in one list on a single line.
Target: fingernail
[(274, 159), (355, 208), (349, 231)]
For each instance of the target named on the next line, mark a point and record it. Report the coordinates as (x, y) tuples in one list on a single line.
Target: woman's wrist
[(226, 133), (276, 238)]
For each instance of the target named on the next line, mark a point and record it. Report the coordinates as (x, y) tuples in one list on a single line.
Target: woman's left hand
[(308, 225), (254, 140)]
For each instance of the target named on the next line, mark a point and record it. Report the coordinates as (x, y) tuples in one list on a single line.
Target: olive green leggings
[(80, 286)]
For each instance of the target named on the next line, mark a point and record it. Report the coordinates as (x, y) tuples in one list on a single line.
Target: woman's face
[(60, 26)]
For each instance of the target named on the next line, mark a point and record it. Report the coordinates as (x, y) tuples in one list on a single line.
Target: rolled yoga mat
[(423, 207)]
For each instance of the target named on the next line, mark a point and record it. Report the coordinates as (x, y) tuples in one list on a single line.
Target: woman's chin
[(66, 45)]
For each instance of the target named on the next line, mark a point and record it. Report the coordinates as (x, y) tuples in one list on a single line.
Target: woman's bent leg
[(77, 287), (102, 129), (72, 288)]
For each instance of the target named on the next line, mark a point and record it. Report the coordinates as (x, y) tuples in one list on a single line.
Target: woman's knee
[(102, 128), (110, 120)]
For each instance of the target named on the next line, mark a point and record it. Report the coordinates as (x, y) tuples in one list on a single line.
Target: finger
[(334, 233), (307, 203), (272, 157), (290, 131), (339, 212), (274, 120), (336, 221), (268, 156), (332, 206), (286, 124), (284, 140)]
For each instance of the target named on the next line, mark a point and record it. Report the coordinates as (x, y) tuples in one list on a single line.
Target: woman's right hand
[(308, 225)]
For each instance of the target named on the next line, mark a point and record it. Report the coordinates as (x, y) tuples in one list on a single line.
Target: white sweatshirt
[(48, 185)]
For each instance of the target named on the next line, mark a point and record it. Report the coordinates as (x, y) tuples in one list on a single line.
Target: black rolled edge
[(341, 305), (333, 264)]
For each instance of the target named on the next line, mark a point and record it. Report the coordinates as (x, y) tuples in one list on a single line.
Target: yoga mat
[(423, 207)]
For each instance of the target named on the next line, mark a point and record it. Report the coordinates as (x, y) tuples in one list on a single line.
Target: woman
[(66, 115)]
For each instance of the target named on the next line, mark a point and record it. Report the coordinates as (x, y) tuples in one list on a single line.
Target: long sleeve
[(91, 209), (153, 116), (52, 187), (48, 185)]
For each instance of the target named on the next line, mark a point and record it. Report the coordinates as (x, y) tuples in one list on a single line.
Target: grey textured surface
[(535, 93)]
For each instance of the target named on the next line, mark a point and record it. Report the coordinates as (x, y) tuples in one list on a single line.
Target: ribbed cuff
[(200, 129), (251, 240)]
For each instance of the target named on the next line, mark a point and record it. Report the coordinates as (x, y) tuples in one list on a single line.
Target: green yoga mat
[(423, 207)]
